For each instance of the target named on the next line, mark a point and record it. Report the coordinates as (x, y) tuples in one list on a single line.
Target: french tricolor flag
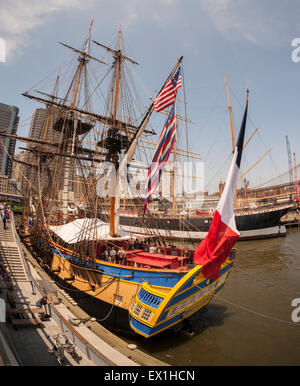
[(222, 235)]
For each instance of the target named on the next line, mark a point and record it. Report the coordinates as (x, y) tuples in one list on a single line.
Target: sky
[(248, 41)]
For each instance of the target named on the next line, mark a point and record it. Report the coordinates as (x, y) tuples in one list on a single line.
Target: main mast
[(115, 158), (116, 142), (117, 139)]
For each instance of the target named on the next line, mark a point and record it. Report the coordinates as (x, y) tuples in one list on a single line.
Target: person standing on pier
[(44, 302), (3, 218)]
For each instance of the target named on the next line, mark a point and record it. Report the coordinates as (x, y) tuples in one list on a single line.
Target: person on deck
[(121, 256), (105, 255), (113, 255), (152, 249)]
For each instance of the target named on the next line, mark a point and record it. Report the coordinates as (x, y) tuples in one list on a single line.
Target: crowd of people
[(144, 245), (6, 282), (5, 213), (117, 254), (114, 255)]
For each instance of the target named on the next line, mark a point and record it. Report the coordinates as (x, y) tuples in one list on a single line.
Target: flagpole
[(173, 182), (133, 144), (235, 194), (215, 248), (230, 113)]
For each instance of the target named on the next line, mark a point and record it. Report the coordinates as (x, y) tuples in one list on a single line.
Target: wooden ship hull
[(136, 297)]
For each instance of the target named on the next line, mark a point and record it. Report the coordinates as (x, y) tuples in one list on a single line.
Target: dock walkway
[(28, 344), (28, 338)]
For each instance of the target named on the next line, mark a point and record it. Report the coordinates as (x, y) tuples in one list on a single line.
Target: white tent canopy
[(87, 229)]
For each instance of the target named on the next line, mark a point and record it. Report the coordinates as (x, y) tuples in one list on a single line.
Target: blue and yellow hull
[(144, 300), (153, 311)]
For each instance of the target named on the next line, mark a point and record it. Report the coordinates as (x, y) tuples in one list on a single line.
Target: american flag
[(163, 150), (168, 94)]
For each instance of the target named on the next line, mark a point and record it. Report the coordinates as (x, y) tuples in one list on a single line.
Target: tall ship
[(256, 217), (127, 281), (262, 223), (180, 219)]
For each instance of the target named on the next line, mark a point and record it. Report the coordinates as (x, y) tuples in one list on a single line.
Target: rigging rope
[(255, 312), (248, 309)]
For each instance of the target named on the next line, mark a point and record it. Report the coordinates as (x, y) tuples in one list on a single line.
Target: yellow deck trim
[(160, 289), (99, 261)]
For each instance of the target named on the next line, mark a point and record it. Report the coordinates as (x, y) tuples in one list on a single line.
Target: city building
[(18, 169), (9, 120), (41, 128)]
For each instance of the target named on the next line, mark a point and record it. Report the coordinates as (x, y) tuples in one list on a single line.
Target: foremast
[(70, 121)]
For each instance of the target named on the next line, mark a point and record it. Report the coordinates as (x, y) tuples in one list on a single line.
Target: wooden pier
[(291, 220)]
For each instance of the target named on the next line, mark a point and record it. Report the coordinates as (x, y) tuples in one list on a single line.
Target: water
[(249, 322)]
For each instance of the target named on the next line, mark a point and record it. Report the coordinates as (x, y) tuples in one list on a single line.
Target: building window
[(146, 314), (137, 309)]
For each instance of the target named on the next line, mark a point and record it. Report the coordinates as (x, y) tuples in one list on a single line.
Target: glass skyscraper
[(9, 120)]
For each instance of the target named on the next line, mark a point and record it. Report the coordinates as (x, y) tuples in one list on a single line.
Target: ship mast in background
[(115, 142)]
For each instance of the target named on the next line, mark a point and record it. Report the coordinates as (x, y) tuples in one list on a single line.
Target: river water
[(250, 321)]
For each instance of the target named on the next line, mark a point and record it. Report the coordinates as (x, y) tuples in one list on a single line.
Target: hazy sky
[(248, 41)]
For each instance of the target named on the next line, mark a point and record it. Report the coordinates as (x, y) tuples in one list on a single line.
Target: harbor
[(149, 201), (249, 323)]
